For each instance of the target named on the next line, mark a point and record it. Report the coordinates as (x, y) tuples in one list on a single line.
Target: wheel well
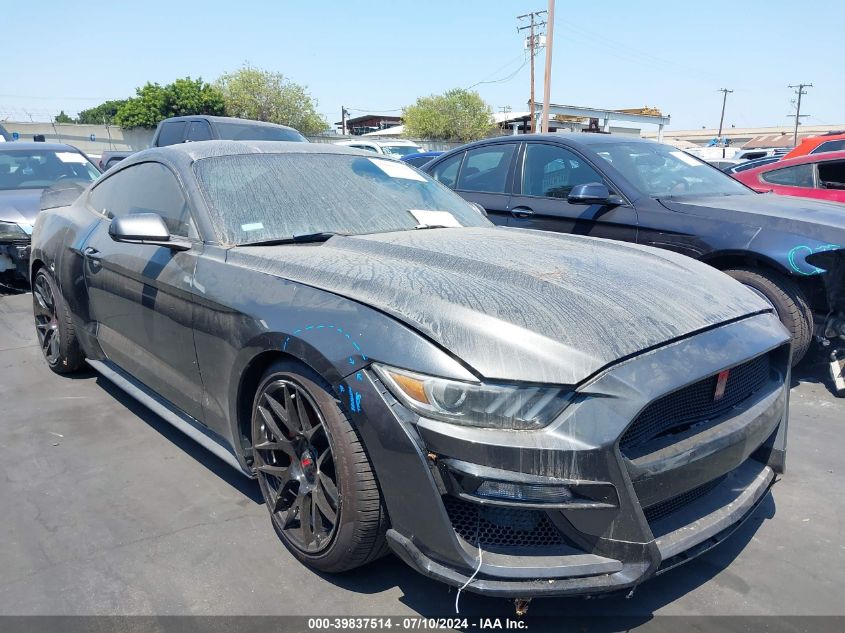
[(34, 267), (246, 394), (811, 286)]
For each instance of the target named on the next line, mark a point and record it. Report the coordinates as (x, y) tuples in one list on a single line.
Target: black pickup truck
[(187, 129)]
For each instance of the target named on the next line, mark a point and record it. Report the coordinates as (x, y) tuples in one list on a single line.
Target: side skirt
[(182, 421)]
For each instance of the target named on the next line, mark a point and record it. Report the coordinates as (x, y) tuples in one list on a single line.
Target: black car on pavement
[(26, 171), (547, 413), (789, 250)]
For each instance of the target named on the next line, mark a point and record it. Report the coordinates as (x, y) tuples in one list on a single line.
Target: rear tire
[(310, 463), (54, 325), (790, 304)]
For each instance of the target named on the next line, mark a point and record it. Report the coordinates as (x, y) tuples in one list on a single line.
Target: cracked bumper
[(633, 514)]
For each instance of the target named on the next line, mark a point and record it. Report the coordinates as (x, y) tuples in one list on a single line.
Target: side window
[(144, 188), (551, 171), (832, 174), (447, 171), (830, 146), (368, 148), (796, 176), (171, 133), (486, 168), (199, 131)]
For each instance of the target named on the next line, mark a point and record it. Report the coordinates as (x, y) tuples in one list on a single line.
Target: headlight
[(489, 405)]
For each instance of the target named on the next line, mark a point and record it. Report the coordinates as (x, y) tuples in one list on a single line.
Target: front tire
[(314, 473), (790, 304), (54, 325)]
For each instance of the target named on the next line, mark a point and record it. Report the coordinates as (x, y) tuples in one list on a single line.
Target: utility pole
[(799, 92), (547, 75), (343, 113), (725, 93), (532, 26)]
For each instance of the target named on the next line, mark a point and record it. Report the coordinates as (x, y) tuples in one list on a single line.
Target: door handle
[(91, 253), (522, 212)]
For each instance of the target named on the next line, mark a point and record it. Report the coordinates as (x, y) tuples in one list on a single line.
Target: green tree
[(61, 117), (456, 115), (154, 102), (261, 95), (101, 114)]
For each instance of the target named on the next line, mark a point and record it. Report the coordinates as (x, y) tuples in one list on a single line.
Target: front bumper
[(635, 513)]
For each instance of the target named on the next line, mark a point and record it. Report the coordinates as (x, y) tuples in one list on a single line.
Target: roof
[(396, 130), (824, 157), (367, 117), (226, 119), (573, 138), (186, 153), (31, 145)]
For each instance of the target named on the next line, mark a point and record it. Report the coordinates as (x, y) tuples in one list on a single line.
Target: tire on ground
[(790, 303), (362, 518), (69, 358)]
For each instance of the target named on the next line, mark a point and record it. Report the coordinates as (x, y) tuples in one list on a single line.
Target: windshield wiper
[(303, 238), (423, 227)]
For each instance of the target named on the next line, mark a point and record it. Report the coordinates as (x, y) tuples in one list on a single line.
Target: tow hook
[(521, 605), (837, 370)]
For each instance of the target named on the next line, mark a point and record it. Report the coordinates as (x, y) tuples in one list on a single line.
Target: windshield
[(265, 197), (246, 132), (39, 169), (401, 150), (662, 171)]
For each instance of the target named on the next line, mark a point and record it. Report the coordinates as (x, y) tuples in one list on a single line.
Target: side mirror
[(590, 193), (145, 228), (479, 208)]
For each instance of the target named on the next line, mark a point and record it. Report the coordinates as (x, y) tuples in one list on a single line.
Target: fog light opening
[(532, 493)]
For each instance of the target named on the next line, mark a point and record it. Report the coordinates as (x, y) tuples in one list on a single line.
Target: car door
[(545, 177), (484, 176), (140, 295)]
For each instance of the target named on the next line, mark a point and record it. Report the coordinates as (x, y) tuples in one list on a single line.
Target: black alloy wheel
[(295, 466), (46, 319)]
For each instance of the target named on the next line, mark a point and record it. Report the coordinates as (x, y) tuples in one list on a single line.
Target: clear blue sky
[(383, 55)]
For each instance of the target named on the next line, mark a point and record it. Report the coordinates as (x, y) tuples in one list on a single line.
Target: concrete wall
[(105, 138)]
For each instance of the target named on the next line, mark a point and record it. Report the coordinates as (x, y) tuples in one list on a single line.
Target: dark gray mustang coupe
[(546, 414)]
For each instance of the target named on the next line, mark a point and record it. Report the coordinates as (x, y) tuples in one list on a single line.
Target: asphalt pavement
[(106, 509)]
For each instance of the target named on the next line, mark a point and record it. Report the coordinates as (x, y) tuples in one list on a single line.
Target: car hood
[(20, 205), (518, 304), (815, 219)]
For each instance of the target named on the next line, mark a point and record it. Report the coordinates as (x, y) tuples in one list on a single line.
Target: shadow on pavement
[(239, 482)]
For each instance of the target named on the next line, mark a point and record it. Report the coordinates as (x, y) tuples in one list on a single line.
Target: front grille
[(497, 527), (695, 403), (670, 506)]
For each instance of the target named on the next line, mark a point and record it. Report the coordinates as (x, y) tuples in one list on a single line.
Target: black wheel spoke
[(270, 422), (321, 502), (285, 446), (329, 487), (283, 415), (306, 518)]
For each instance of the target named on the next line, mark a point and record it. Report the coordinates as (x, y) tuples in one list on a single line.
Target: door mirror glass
[(144, 228), (589, 193)]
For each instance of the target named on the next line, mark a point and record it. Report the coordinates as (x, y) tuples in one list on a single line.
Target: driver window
[(550, 171), (145, 188)]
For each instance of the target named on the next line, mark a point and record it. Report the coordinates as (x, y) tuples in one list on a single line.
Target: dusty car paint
[(624, 326)]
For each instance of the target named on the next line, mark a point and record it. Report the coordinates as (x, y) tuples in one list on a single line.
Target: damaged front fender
[(830, 264)]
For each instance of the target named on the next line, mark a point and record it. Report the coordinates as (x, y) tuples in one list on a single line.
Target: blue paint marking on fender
[(807, 268), (351, 360)]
